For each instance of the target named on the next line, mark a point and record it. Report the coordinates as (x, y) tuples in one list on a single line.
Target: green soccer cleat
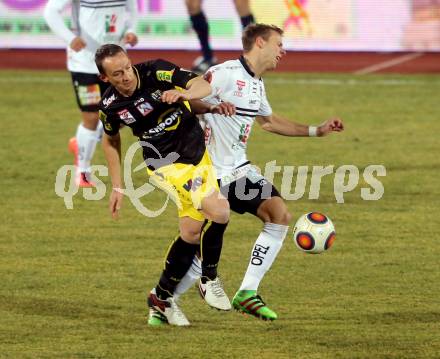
[(156, 318), (247, 301)]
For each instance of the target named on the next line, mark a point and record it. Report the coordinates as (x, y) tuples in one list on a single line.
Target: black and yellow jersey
[(167, 127)]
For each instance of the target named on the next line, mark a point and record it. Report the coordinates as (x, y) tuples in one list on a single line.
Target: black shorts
[(88, 90), (245, 195)]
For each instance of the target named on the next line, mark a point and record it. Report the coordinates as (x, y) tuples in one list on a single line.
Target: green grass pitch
[(74, 282)]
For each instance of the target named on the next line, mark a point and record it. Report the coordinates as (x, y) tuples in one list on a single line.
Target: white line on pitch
[(390, 63)]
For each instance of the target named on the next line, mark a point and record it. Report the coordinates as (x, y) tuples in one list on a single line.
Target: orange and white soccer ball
[(314, 233)]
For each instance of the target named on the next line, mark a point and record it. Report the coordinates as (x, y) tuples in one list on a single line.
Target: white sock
[(263, 254), (86, 140), (190, 277), (99, 131)]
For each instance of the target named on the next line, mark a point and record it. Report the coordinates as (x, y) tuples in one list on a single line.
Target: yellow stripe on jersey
[(186, 103)]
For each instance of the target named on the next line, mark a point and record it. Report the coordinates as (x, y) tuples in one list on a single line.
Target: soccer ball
[(314, 233)]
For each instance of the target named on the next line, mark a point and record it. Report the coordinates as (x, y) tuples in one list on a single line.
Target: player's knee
[(274, 211), (90, 120), (190, 235), (220, 213), (193, 6)]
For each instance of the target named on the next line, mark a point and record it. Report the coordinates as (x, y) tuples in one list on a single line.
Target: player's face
[(119, 72), (273, 50)]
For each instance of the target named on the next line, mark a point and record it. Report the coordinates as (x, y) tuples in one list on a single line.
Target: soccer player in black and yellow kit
[(152, 99)]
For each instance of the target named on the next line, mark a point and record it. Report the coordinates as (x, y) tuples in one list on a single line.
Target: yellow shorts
[(187, 184)]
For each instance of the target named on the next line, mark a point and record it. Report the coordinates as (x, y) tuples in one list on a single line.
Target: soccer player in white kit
[(93, 23), (239, 82)]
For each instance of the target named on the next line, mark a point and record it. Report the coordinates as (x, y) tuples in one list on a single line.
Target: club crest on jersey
[(126, 117), (144, 108)]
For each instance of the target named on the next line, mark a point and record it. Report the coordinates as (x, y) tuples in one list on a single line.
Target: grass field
[(74, 282)]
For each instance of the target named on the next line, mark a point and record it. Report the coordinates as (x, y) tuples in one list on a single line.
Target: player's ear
[(259, 42), (103, 77)]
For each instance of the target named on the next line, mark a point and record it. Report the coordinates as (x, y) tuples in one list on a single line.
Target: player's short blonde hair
[(252, 31)]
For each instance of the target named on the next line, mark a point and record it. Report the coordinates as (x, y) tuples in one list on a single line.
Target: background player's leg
[(201, 27), (87, 136), (244, 11)]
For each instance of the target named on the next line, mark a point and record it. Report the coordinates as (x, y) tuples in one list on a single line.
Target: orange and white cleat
[(73, 148), (83, 180)]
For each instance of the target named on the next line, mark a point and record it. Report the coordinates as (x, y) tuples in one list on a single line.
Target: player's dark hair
[(252, 31), (107, 50)]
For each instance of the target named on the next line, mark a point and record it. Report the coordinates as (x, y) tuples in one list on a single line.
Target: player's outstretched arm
[(196, 88), (282, 126), (112, 151), (200, 107)]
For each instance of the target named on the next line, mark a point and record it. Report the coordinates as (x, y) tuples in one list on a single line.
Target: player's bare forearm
[(199, 107), (224, 108), (197, 88), (112, 151), (282, 126)]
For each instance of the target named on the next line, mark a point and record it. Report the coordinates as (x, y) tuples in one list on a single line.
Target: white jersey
[(226, 136), (97, 22)]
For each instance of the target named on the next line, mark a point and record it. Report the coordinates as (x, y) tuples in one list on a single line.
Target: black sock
[(179, 258), (201, 27), (211, 243), (246, 20)]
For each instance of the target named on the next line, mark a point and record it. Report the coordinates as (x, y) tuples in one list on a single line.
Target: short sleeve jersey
[(167, 127), (227, 136)]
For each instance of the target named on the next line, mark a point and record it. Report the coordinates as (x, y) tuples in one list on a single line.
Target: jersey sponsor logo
[(156, 95), (240, 84), (144, 108), (193, 185), (258, 254), (244, 133), (89, 94), (139, 100), (126, 116), (107, 101), (103, 117), (167, 122), (110, 23), (163, 75)]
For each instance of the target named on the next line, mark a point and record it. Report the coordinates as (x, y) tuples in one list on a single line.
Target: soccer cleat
[(213, 293), (83, 180), (168, 308), (73, 148), (201, 65), (247, 301), (156, 318)]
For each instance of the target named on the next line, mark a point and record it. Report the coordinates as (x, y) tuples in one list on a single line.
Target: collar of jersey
[(245, 65), (138, 78)]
